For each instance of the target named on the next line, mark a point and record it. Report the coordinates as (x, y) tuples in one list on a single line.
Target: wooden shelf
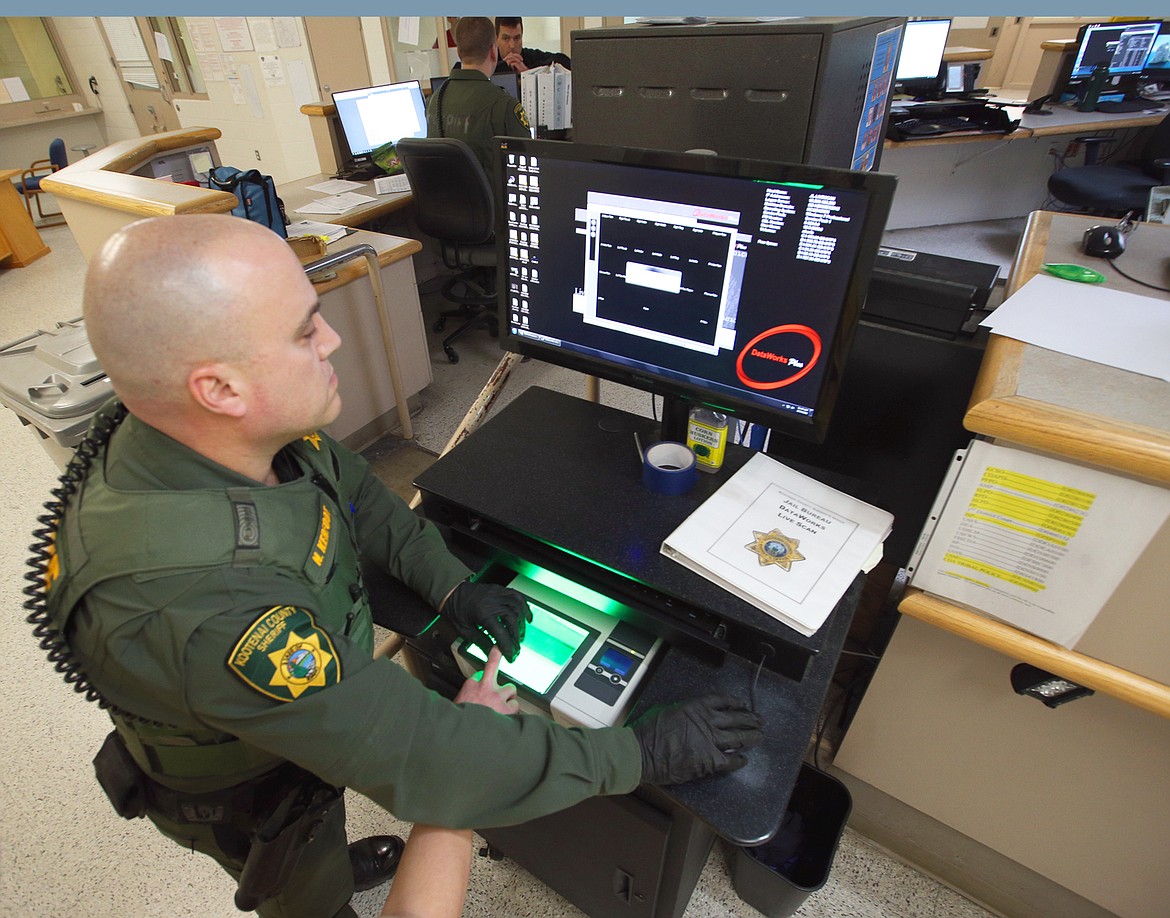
[(1019, 645)]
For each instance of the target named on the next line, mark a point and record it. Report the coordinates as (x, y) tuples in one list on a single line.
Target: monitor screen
[(509, 82), (1157, 64), (379, 115), (732, 283), (923, 44), (1122, 46)]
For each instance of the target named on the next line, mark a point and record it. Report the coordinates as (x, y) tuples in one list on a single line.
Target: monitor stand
[(361, 172), (676, 413)]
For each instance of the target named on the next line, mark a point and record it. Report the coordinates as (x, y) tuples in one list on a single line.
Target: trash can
[(53, 383), (776, 877)]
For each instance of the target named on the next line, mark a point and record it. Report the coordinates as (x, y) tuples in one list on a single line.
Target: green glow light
[(570, 588), (549, 644)]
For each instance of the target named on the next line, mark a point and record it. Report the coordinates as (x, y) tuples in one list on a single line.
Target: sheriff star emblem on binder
[(775, 548)]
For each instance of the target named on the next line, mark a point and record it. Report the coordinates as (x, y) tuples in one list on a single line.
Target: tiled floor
[(62, 850)]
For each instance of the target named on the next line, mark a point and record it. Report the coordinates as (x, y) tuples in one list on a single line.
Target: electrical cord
[(1128, 277)]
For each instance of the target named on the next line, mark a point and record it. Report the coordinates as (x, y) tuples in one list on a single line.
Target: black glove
[(475, 608), (694, 738)]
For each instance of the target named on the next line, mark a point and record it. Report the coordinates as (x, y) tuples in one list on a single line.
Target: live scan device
[(578, 664)]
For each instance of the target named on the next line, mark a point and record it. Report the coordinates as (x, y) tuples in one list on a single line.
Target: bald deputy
[(469, 106), (204, 575)]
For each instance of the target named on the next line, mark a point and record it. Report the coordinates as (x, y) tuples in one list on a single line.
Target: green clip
[(1078, 273)]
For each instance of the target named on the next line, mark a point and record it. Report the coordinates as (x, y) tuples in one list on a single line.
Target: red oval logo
[(774, 362)]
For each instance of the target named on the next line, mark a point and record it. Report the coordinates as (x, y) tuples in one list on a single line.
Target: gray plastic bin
[(776, 877), (53, 383)]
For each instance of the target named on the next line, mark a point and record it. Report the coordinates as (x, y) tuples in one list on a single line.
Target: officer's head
[(475, 40), (509, 34), (207, 323)]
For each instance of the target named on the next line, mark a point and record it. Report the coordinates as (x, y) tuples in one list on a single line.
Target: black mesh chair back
[(452, 197), (454, 203)]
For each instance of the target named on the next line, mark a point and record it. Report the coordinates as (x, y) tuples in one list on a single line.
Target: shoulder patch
[(522, 115), (284, 655)]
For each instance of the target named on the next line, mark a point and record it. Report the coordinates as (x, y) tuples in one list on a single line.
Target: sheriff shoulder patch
[(284, 655), (522, 115)]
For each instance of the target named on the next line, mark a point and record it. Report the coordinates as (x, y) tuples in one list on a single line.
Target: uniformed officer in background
[(200, 573), (469, 106)]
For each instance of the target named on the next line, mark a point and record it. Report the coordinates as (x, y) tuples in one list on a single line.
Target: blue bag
[(256, 194)]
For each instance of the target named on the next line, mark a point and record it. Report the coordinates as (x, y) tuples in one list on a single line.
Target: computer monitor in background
[(733, 283), (1157, 65), (509, 82), (921, 58), (1121, 46), (378, 115)]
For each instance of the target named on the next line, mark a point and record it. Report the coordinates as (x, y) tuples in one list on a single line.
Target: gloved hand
[(476, 608), (695, 738)]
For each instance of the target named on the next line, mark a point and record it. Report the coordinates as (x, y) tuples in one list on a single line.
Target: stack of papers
[(781, 541), (335, 204), (330, 232)]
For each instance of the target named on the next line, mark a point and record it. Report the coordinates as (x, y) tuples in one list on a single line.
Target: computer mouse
[(1104, 241)]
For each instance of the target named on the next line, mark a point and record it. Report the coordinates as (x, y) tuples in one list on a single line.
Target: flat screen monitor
[(509, 82), (923, 44), (379, 115), (732, 283), (1157, 66), (1122, 46)]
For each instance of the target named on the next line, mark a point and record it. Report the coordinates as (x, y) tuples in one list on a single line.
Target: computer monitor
[(732, 283), (509, 82), (1157, 65), (378, 115), (921, 58), (1122, 46)]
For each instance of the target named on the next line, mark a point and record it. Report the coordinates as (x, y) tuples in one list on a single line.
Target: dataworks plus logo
[(778, 357)]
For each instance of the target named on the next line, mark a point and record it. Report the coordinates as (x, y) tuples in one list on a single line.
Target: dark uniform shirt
[(162, 645), (534, 57), (471, 108)]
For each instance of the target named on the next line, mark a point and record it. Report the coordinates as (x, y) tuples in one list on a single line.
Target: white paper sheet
[(1038, 542), (1090, 321), (335, 186)]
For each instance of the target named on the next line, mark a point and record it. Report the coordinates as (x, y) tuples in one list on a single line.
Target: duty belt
[(240, 804)]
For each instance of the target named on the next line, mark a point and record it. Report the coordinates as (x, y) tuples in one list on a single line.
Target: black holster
[(280, 839), (125, 784)]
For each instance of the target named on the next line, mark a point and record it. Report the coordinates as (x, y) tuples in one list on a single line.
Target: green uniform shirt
[(159, 645), (474, 110)]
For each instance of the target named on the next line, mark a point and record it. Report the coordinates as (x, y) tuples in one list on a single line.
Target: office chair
[(454, 203), (30, 180), (1120, 188)]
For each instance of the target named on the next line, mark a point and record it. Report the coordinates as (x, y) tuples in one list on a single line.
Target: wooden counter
[(99, 194), (20, 243)]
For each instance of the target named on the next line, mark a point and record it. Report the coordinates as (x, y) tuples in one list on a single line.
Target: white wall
[(255, 116)]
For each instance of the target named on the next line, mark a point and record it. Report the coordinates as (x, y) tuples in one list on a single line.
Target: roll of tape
[(669, 468)]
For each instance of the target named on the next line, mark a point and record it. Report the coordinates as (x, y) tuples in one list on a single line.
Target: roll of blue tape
[(669, 468)]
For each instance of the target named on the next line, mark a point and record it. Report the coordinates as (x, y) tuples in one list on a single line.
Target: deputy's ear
[(216, 388)]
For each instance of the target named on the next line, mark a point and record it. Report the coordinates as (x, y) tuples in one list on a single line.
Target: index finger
[(492, 667)]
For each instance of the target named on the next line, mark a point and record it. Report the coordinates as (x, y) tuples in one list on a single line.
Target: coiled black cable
[(43, 555)]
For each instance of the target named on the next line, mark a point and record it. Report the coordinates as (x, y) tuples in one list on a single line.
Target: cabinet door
[(605, 855)]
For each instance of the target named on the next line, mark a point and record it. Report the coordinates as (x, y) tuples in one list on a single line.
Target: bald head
[(166, 294)]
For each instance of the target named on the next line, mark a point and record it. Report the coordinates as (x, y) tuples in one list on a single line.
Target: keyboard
[(391, 184), (933, 127)]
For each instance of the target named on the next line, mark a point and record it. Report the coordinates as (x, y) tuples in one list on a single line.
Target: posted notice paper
[(781, 541), (1037, 542)]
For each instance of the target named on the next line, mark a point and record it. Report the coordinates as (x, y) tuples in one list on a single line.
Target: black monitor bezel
[(347, 149), (880, 188)]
